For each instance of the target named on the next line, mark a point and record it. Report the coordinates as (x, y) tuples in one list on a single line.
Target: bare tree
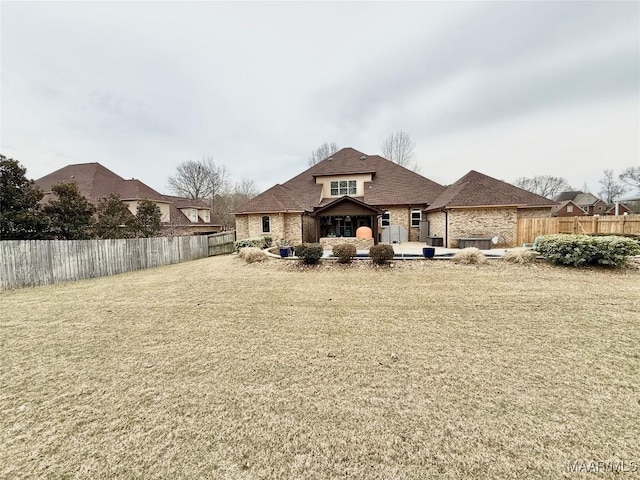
[(245, 190), (201, 179), (242, 191), (400, 148), (544, 185), (323, 151), (611, 188), (631, 176)]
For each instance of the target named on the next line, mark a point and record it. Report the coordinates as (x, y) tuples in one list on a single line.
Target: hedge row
[(584, 250), (258, 242)]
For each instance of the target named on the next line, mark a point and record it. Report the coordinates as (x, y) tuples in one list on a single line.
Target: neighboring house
[(179, 215), (567, 208), (588, 202), (621, 210), (479, 206), (331, 200)]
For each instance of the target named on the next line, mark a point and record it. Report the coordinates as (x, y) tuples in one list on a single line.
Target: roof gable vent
[(363, 157)]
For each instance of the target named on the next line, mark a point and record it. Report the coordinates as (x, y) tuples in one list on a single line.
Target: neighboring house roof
[(559, 206), (580, 198), (478, 190), (181, 202), (391, 184), (567, 195), (632, 197), (96, 181), (611, 207), (586, 199)]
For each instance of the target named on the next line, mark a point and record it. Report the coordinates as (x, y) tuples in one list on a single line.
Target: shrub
[(469, 256), (309, 253), (381, 254), (520, 256), (583, 250), (283, 242), (252, 254), (345, 252), (299, 249), (258, 242)]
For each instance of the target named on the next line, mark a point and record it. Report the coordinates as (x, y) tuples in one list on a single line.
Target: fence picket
[(43, 262), (530, 228)]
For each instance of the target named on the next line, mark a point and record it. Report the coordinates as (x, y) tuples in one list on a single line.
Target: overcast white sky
[(506, 88)]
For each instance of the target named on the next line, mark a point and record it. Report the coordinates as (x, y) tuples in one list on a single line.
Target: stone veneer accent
[(361, 244)]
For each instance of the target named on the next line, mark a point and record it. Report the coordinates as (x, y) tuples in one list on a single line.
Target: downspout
[(446, 229)]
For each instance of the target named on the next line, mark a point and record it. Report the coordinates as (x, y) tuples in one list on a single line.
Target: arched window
[(266, 224)]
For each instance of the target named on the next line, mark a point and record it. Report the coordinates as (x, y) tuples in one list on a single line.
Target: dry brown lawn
[(217, 369)]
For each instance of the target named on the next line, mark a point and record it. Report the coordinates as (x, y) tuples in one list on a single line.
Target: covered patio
[(342, 217)]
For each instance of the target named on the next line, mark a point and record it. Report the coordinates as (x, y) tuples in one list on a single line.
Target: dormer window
[(344, 187)]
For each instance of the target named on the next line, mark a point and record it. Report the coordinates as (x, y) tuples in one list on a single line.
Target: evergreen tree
[(70, 214), (148, 219), (114, 220), (21, 217)]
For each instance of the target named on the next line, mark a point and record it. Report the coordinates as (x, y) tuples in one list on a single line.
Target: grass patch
[(218, 369)]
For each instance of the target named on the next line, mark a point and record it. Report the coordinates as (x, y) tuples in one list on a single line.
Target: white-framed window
[(386, 218), (344, 187), (416, 217), (569, 208), (266, 224), (193, 215)]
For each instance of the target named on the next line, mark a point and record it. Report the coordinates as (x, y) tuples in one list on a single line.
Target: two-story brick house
[(335, 197)]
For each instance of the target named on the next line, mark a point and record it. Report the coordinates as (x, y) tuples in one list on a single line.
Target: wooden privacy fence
[(25, 263), (222, 243), (530, 228)]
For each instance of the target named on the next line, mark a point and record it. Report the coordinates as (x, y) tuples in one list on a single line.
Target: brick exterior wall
[(286, 226), (437, 225), (242, 227), (292, 227), (483, 223), (535, 212), (401, 216)]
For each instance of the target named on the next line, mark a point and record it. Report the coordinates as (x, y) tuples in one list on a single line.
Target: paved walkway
[(415, 248)]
